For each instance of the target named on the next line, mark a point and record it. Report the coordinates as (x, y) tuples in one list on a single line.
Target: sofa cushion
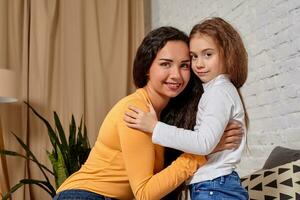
[(282, 182), (281, 155)]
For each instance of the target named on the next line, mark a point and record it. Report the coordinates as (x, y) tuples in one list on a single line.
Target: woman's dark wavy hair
[(147, 51), (181, 110)]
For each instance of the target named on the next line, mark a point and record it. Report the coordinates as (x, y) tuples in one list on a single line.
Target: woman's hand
[(231, 138), (138, 119)]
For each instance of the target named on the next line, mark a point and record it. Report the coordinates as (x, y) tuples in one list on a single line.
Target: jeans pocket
[(202, 186)]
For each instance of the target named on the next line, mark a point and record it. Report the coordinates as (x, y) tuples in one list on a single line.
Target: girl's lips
[(201, 73)]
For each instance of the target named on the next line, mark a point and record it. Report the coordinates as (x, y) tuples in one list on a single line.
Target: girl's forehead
[(202, 41)]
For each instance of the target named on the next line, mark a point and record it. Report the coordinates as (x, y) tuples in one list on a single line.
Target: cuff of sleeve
[(190, 163), (155, 135)]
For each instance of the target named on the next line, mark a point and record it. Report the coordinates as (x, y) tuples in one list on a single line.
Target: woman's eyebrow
[(166, 59), (184, 61)]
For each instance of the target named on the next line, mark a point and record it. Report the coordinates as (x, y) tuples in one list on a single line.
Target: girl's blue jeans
[(76, 194), (227, 187)]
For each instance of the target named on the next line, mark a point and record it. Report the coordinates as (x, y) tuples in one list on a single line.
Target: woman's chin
[(173, 93)]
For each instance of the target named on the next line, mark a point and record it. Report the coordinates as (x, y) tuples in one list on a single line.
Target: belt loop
[(222, 180)]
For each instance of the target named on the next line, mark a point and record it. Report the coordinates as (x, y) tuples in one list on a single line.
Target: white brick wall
[(271, 32)]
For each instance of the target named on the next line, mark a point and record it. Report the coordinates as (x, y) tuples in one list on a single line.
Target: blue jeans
[(76, 194), (227, 187)]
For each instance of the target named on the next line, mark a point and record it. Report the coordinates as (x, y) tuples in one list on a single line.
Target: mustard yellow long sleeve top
[(125, 164)]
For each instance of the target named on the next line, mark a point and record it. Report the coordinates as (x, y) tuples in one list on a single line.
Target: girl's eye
[(207, 54), (193, 57)]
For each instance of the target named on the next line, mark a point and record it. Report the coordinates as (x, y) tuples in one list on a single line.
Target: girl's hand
[(138, 119), (232, 137)]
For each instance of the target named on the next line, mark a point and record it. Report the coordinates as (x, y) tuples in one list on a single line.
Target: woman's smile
[(173, 85)]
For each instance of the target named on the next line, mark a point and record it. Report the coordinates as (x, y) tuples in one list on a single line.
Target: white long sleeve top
[(219, 104)]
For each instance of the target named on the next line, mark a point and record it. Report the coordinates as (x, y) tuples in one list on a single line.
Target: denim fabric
[(227, 187), (79, 195)]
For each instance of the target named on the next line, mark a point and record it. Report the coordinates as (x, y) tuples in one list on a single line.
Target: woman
[(125, 164)]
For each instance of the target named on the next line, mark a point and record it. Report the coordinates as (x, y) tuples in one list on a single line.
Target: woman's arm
[(140, 157), (231, 138)]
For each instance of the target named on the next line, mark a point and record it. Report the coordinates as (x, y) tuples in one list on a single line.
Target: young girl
[(220, 61)]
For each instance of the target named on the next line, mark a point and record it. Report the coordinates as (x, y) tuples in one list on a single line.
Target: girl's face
[(169, 72), (206, 56)]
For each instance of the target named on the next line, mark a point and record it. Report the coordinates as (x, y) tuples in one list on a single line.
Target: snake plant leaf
[(30, 154), (59, 168), (73, 151), (72, 129), (65, 158), (61, 133), (13, 153), (74, 165), (12, 190), (64, 148), (83, 148), (25, 147), (85, 139), (73, 160), (79, 134), (43, 184), (52, 135)]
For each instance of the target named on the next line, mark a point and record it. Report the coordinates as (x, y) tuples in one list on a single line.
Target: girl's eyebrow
[(207, 49)]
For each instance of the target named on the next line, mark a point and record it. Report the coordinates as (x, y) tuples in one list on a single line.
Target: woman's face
[(170, 70)]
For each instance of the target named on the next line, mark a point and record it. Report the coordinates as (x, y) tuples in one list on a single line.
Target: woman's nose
[(175, 72)]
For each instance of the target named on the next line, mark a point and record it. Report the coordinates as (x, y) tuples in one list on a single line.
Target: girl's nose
[(198, 63)]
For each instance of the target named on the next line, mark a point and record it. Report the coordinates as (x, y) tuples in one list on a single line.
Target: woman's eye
[(185, 66), (165, 64)]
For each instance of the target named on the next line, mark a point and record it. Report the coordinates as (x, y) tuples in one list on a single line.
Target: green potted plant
[(66, 157)]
